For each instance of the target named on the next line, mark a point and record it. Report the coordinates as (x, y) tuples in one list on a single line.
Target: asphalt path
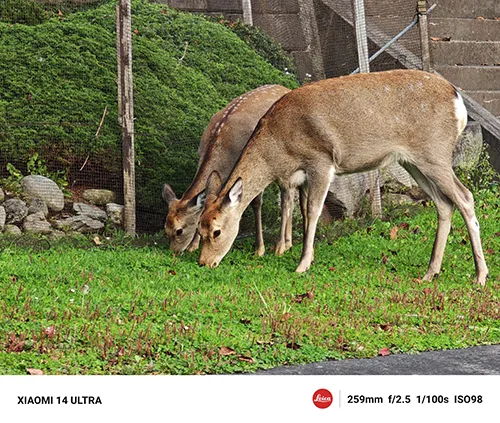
[(482, 360)]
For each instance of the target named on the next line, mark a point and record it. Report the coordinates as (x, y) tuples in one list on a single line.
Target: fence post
[(359, 22), (247, 12), (311, 35), (126, 111), (424, 34)]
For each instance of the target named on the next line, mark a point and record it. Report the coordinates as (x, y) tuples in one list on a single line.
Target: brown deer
[(220, 146), (346, 125)]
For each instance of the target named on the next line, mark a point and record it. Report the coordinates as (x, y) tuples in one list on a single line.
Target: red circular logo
[(322, 398)]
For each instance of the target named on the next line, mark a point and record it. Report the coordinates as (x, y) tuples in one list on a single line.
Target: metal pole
[(247, 12), (424, 35), (126, 111), (359, 21)]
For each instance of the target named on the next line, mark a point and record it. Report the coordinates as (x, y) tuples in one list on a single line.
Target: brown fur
[(220, 146), (346, 125)]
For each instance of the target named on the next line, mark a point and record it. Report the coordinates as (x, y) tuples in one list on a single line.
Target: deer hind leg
[(318, 185), (444, 209), (452, 189), (256, 203), (464, 201), (285, 240), (303, 206)]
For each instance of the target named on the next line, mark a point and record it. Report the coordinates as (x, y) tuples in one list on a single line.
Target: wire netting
[(75, 138)]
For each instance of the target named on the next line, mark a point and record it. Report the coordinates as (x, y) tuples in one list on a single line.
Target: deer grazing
[(347, 125), (220, 146)]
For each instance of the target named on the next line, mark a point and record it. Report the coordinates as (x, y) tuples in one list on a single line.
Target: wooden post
[(247, 12), (311, 34), (424, 35), (126, 111), (359, 21)]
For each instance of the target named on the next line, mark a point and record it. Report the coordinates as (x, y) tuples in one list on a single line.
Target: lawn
[(127, 306)]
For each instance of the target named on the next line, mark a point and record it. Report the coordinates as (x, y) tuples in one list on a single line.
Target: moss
[(57, 77)]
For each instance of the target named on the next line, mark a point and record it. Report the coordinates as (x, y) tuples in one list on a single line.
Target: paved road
[(483, 360)]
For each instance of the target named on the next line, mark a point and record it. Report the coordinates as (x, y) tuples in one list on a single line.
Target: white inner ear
[(200, 199), (235, 192)]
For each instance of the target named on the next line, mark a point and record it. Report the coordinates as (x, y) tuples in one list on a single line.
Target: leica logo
[(322, 398)]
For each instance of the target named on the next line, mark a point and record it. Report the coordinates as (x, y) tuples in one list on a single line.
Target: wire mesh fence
[(58, 100)]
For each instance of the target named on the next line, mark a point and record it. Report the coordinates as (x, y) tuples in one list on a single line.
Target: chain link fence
[(58, 100)]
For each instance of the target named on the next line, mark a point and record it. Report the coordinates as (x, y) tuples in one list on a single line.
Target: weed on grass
[(119, 305)]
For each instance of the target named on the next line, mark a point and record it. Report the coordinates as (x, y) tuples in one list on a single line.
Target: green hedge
[(57, 77)]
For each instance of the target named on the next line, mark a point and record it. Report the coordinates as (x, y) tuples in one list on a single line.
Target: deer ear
[(168, 194), (214, 184), (199, 200), (234, 195)]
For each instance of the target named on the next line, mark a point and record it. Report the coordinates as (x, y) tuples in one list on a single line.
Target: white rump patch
[(461, 113)]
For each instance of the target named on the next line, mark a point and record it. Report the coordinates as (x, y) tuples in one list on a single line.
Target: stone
[(80, 223), (35, 223), (2, 195), (115, 214), (99, 197), (16, 210), (37, 205), (44, 188), (3, 216), (91, 211), (12, 230)]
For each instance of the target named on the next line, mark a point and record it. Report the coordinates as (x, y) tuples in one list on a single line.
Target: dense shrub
[(22, 11), (56, 79)]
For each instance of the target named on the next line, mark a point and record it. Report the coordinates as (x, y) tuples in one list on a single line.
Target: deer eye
[(216, 233), (179, 232)]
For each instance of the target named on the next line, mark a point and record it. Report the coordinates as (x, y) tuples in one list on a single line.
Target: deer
[(220, 146), (344, 125)]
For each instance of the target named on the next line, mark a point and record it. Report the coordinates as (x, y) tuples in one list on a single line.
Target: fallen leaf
[(245, 321), (480, 18), (301, 297), (285, 317), (226, 351), (384, 352), (385, 327), (489, 251), (50, 331), (293, 346), (404, 225), (172, 272), (35, 372), (427, 291), (245, 358), (385, 259), (394, 233), (435, 39), (332, 269), (97, 240)]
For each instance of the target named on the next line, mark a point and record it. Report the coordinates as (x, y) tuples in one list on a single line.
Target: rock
[(80, 223), (115, 214), (45, 189), (35, 223), (468, 147), (3, 216), (2, 195), (37, 205), (99, 197), (12, 230), (91, 211), (16, 210)]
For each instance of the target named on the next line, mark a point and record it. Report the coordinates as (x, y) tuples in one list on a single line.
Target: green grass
[(129, 307)]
